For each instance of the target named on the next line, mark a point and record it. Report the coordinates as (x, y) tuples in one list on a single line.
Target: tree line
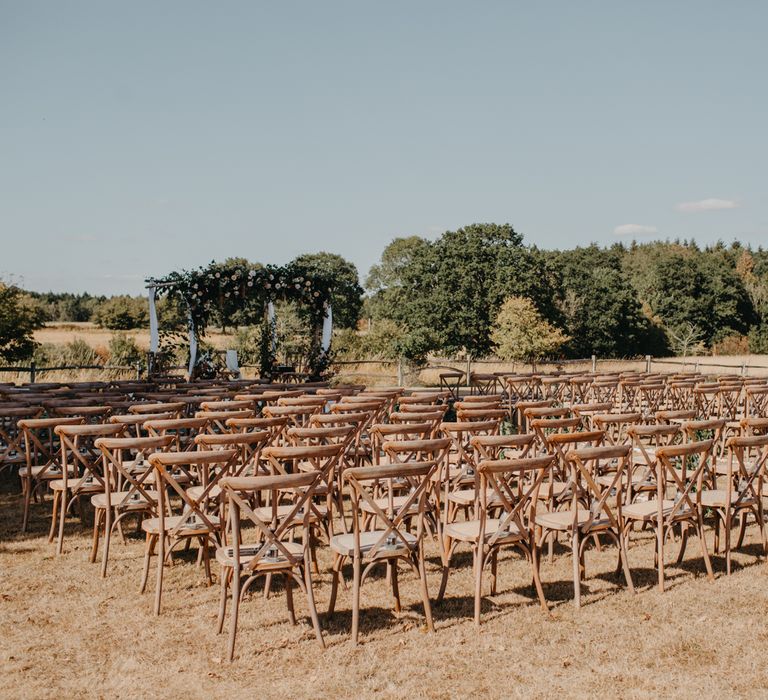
[(481, 290)]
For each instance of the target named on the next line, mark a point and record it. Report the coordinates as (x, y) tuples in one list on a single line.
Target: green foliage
[(758, 339), (521, 333), (122, 313), (380, 342), (124, 352), (18, 321), (73, 354)]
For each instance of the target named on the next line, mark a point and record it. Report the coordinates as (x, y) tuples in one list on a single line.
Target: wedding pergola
[(249, 291)]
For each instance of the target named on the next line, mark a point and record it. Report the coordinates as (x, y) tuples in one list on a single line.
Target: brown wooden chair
[(127, 488), (270, 547), (192, 520), (82, 471), (391, 541), (679, 487), (595, 509), (42, 453)]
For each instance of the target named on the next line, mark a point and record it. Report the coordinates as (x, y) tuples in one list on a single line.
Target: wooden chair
[(272, 547), (42, 454), (127, 488), (595, 509), (390, 542), (194, 521), (680, 470), (742, 493), (12, 451)]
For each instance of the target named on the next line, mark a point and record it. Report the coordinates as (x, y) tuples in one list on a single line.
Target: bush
[(72, 354), (18, 320), (521, 333), (248, 345), (123, 313), (758, 340), (732, 344), (124, 352)]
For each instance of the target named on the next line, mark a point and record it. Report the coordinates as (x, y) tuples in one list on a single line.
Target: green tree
[(346, 299), (18, 321), (123, 313), (521, 333)]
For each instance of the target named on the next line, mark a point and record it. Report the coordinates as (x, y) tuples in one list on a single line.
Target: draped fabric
[(192, 344), (154, 334), (272, 326), (325, 340)]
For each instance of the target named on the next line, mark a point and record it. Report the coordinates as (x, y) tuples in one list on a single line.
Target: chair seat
[(152, 526), (466, 497), (345, 544), (225, 556), (265, 512), (78, 485), (469, 531), (383, 503), (639, 458), (648, 510), (50, 472), (718, 498), (194, 492), (558, 489), (563, 519), (121, 499), (638, 481)]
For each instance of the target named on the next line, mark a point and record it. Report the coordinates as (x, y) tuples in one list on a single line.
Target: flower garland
[(237, 288)]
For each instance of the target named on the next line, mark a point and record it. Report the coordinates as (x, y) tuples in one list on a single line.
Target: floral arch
[(247, 291)]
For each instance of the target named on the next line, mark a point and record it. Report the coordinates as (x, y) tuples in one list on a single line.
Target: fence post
[(399, 371), (469, 369), (648, 363), (138, 371), (594, 363), (32, 372), (743, 369)]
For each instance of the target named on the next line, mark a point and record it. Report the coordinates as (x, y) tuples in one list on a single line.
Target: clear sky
[(141, 137)]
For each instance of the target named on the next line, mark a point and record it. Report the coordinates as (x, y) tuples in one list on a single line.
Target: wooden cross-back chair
[(270, 547), (82, 471), (603, 391), (677, 503), (518, 416), (505, 518), (755, 401), (481, 414), (594, 510), (176, 408), (297, 416), (192, 519), (615, 425), (134, 423), (42, 454), (650, 398), (740, 492), (681, 395), (128, 486), (587, 411), (397, 535), (276, 427), (217, 420), (433, 417), (183, 430), (381, 432), (12, 452)]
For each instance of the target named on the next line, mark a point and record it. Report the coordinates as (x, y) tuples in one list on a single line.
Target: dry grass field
[(68, 633)]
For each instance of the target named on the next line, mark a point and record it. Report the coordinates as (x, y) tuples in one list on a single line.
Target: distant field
[(386, 373)]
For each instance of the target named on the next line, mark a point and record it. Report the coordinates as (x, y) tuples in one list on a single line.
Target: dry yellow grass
[(68, 633)]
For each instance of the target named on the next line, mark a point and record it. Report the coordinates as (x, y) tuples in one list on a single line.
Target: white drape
[(272, 326), (325, 340), (232, 363), (154, 335), (192, 344)]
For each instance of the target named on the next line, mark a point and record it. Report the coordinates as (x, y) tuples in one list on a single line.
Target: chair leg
[(446, 556), (289, 597), (107, 540), (97, 515), (576, 569), (624, 557), (54, 515), (336, 572), (159, 572), (478, 567), (535, 565), (703, 543), (223, 581), (26, 485), (660, 554), (494, 570), (148, 549), (234, 615), (425, 590), (356, 567), (311, 602), (63, 507), (395, 588), (728, 525)]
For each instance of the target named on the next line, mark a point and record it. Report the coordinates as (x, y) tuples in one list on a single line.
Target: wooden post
[(648, 363), (594, 363), (399, 371), (138, 371), (32, 372), (469, 369)]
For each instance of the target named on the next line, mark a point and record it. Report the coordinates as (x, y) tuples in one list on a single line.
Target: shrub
[(123, 351), (732, 344), (122, 313)]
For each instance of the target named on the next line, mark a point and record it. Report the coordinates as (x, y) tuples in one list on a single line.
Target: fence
[(399, 369)]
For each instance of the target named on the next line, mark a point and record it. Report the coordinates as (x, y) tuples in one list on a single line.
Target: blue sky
[(141, 137)]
